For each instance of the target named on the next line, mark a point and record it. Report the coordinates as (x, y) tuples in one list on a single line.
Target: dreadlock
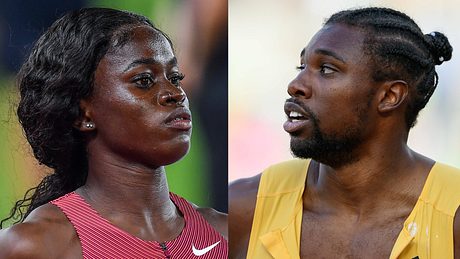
[(399, 51)]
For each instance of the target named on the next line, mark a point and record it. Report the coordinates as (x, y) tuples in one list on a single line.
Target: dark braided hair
[(56, 76), (399, 51)]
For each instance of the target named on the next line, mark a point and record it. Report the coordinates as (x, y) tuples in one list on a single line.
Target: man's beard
[(336, 149)]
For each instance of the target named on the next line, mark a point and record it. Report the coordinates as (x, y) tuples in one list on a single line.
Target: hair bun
[(440, 48)]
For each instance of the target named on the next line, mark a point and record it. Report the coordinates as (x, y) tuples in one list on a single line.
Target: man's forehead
[(344, 41)]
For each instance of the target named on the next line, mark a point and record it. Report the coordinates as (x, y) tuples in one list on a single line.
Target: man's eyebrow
[(147, 61), (330, 53)]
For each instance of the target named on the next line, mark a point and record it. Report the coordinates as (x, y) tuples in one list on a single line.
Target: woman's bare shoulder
[(46, 233), (216, 219)]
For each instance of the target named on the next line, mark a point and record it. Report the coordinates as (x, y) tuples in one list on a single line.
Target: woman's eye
[(144, 81), (176, 79)]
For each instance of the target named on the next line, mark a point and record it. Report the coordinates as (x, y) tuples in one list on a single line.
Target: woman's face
[(140, 111)]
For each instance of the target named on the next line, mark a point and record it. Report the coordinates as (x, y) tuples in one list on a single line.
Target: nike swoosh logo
[(200, 252)]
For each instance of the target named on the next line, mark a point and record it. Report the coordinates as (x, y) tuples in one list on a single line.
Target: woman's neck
[(133, 197)]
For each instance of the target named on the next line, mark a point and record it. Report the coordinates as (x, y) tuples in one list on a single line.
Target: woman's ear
[(84, 122), (391, 95)]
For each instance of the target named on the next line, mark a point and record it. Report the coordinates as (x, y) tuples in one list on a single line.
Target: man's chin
[(331, 154), (301, 148)]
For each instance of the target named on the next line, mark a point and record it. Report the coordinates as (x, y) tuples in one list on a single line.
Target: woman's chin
[(176, 156)]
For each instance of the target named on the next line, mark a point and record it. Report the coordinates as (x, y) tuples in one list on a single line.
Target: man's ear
[(392, 94), (84, 122)]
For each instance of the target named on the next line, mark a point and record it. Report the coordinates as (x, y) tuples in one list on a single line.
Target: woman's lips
[(180, 119), (180, 124)]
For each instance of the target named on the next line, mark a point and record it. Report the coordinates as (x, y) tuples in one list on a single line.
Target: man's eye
[(326, 70), (176, 79), (144, 81), (301, 67)]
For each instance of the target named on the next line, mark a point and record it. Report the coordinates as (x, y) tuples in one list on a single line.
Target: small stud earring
[(89, 125)]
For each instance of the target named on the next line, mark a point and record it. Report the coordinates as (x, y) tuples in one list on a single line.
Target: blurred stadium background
[(266, 38), (198, 28)]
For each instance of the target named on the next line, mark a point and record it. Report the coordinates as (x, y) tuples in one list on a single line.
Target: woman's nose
[(176, 97)]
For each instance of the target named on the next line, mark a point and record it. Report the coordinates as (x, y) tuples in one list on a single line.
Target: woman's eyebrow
[(147, 61)]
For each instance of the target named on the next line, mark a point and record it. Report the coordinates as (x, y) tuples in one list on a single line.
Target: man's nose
[(300, 86)]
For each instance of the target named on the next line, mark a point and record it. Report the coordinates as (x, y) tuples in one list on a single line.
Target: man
[(364, 194)]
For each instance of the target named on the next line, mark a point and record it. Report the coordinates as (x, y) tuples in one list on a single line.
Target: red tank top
[(100, 239)]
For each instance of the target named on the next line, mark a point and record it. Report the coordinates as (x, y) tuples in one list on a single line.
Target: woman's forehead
[(125, 33), (140, 42)]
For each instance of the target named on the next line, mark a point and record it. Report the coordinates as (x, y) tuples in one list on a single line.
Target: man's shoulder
[(446, 171), (441, 191), (443, 183), (244, 186), (39, 236), (279, 173), (242, 197), (284, 177), (293, 165)]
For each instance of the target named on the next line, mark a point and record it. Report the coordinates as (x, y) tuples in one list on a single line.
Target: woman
[(101, 104)]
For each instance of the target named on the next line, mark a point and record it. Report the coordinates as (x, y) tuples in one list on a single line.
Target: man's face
[(330, 109)]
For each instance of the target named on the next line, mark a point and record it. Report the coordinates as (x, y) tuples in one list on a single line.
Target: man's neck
[(376, 180)]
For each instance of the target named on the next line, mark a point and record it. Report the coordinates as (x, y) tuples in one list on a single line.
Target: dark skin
[(369, 197), (137, 95)]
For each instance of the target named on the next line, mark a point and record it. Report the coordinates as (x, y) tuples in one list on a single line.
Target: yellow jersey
[(427, 232)]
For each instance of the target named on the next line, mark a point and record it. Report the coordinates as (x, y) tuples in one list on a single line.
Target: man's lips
[(295, 111), (180, 118), (297, 117)]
